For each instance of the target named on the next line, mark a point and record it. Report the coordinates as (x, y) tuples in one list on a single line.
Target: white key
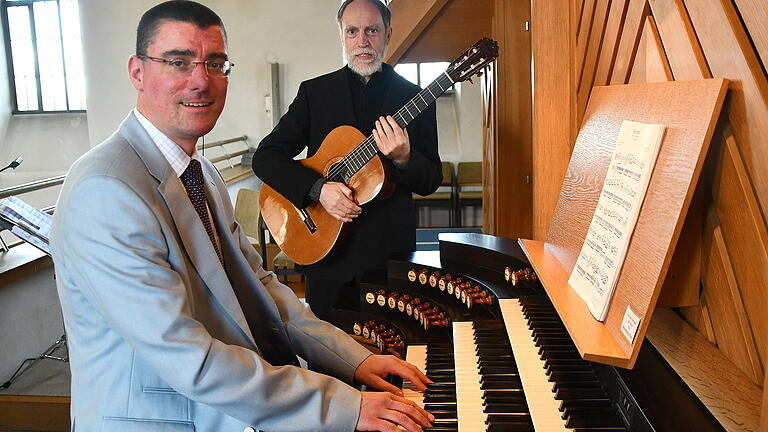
[(469, 397), (542, 404), (417, 356)]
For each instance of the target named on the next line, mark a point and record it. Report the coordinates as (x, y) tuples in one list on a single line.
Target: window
[(422, 74), (45, 59)]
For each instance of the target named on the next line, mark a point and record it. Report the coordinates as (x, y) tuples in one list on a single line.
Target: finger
[(379, 383), (407, 413), (385, 426), (340, 217), (386, 124), (421, 377), (411, 373), (380, 137), (396, 129), (414, 411), (402, 420)]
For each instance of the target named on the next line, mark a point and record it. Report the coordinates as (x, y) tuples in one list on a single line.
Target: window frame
[(9, 58)]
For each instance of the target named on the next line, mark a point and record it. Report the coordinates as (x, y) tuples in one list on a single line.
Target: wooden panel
[(554, 115), (729, 317), (458, 25), (680, 43), (582, 37), (34, 413), (409, 19), (650, 63), (764, 415), (755, 16), (698, 317), (630, 38), (610, 41), (689, 110), (727, 393), (584, 83), (682, 284), (745, 235), (730, 55), (21, 261), (577, 6), (512, 195)]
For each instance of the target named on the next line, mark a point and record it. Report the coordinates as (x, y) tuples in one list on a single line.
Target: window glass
[(50, 56), (430, 71), (23, 59), (70, 31), (46, 53), (408, 71)]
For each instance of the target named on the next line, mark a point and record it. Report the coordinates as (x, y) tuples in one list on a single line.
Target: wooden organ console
[(499, 356)]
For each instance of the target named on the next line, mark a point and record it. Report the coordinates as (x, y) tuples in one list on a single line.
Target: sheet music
[(29, 223), (598, 266)]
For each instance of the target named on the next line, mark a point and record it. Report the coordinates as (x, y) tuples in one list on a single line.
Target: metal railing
[(31, 186), (227, 156)]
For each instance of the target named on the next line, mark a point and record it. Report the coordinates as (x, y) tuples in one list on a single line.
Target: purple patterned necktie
[(193, 182)]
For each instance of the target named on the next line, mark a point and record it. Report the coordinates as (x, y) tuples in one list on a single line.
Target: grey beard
[(366, 69)]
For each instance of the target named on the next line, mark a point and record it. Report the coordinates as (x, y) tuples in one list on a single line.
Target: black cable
[(16, 162)]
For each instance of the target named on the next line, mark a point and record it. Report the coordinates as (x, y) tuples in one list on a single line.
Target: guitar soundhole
[(339, 173)]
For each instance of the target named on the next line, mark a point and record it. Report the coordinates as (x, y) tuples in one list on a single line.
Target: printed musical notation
[(598, 266)]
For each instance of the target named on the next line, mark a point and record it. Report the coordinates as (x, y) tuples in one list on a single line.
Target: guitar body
[(287, 224)]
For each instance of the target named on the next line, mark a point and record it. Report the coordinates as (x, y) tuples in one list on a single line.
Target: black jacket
[(386, 225)]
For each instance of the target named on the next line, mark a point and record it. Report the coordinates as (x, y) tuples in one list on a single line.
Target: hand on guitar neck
[(337, 200), (392, 140)]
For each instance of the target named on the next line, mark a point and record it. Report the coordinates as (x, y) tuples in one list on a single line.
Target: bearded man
[(362, 94)]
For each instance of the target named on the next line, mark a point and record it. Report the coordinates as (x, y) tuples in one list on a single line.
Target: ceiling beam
[(409, 19)]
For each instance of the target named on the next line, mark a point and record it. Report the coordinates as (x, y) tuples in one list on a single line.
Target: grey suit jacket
[(158, 340)]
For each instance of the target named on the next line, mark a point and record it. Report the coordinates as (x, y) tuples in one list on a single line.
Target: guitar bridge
[(308, 221)]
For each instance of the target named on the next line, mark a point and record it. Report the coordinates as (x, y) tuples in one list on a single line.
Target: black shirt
[(367, 98)]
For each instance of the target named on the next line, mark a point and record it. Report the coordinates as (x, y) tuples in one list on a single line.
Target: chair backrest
[(247, 212), (447, 174), (470, 173)]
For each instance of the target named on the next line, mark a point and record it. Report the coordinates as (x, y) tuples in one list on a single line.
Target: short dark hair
[(174, 10), (386, 15)]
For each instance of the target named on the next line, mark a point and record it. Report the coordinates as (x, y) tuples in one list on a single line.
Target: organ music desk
[(498, 353)]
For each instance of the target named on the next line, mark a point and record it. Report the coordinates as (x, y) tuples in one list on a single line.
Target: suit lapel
[(191, 230)]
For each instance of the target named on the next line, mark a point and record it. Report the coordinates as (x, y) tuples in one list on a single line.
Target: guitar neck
[(404, 116)]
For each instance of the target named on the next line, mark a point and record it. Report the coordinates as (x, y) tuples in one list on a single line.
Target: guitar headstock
[(473, 60)]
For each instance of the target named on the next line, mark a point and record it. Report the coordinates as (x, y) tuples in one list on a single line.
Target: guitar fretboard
[(358, 157)]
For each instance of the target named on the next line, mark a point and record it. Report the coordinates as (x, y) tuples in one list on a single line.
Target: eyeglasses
[(183, 66)]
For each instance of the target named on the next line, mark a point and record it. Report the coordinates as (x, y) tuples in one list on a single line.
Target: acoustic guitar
[(346, 155)]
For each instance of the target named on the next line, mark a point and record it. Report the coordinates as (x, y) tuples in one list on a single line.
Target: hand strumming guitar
[(336, 198)]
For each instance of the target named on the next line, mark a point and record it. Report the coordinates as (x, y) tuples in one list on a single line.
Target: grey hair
[(386, 15)]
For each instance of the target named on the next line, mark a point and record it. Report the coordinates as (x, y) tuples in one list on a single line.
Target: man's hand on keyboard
[(375, 368), (386, 412)]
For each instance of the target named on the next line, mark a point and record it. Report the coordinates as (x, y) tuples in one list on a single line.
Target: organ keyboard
[(505, 363)]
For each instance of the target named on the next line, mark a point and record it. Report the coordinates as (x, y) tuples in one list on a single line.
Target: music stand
[(13, 220)]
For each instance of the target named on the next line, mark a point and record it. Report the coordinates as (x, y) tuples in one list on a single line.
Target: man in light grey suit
[(172, 323)]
